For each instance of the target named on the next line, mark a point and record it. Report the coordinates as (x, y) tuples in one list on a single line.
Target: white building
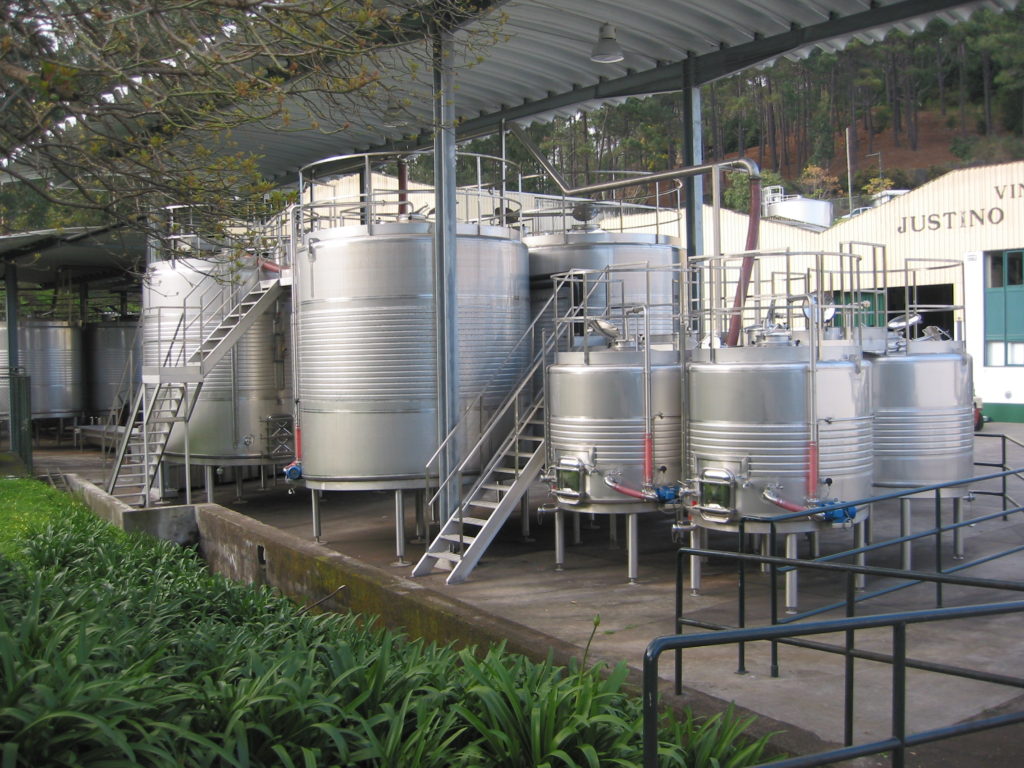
[(974, 217)]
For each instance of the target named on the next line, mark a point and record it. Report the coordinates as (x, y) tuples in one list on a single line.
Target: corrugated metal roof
[(538, 65)]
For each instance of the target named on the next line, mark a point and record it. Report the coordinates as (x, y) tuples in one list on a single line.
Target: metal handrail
[(1002, 464), (487, 428), (900, 740), (226, 298), (495, 418)]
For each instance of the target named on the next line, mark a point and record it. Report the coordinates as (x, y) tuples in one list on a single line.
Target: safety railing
[(940, 575), (900, 738), (854, 576), (1005, 444)]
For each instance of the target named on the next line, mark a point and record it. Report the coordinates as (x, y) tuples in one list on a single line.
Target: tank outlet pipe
[(268, 265), (771, 496), (663, 494), (648, 409), (840, 515)]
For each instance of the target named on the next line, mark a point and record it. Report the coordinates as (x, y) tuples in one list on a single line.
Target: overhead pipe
[(741, 164), (747, 265)]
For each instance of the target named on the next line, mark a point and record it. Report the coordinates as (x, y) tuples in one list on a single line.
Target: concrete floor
[(517, 580)]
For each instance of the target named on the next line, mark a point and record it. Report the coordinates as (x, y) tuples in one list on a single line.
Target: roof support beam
[(709, 66)]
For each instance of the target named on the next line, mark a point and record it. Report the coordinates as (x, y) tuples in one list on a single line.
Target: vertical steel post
[(208, 479), (399, 528), (315, 499), (906, 547), (899, 691), (958, 518), (559, 539), (444, 256), (632, 547), (693, 154), (792, 594)]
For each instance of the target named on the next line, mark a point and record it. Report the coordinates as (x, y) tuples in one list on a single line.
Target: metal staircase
[(158, 403), (152, 417), (219, 341), (474, 515), (484, 508)]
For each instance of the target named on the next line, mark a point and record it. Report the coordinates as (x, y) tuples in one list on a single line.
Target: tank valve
[(292, 471)]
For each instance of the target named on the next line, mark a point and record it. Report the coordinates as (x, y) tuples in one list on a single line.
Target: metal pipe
[(559, 539), (404, 206), (740, 164), (315, 499), (632, 547), (399, 528)]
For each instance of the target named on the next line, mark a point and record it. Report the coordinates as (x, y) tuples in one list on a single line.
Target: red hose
[(648, 458), (625, 490), (812, 469), (298, 443), (269, 266), (747, 267)]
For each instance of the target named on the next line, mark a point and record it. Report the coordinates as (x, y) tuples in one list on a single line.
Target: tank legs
[(239, 479), (696, 542), (524, 517), (559, 539), (792, 585), (860, 580), (400, 529), (958, 517), (421, 520), (315, 499), (906, 557), (576, 536), (208, 480), (814, 540), (613, 532), (632, 546)]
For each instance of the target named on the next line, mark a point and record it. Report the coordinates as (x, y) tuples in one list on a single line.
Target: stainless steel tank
[(596, 249), (750, 411), (50, 351), (114, 354), (597, 427), (229, 423), (366, 349), (923, 406)]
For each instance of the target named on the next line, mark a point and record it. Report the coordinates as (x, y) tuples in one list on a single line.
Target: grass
[(117, 650)]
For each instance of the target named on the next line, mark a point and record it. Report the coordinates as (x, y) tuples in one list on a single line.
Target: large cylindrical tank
[(50, 351), (114, 354), (749, 430), (923, 406), (596, 249), (597, 426), (366, 348), (229, 423)]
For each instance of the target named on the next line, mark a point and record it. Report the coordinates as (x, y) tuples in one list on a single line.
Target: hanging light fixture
[(607, 49)]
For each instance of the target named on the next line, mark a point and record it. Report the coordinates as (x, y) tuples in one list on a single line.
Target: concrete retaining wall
[(252, 552)]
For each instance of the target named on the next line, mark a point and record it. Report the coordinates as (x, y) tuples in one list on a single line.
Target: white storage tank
[(597, 428), (229, 424), (751, 445), (367, 382), (50, 351)]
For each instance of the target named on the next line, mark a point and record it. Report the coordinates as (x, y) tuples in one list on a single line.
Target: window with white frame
[(1004, 307)]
